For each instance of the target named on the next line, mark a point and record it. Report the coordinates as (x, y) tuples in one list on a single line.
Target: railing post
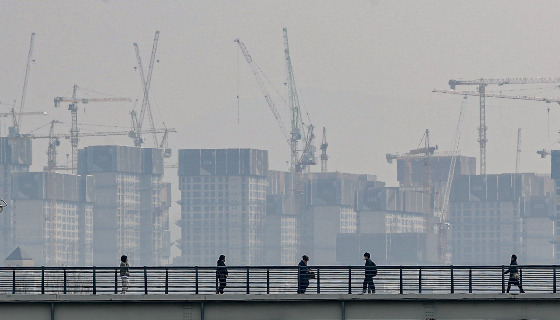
[(145, 280), (247, 280), (166, 281), (400, 280), (64, 269), (521, 277), (196, 280), (452, 280), (94, 281), (318, 280), (470, 280), (13, 281), (554, 279), (267, 281), (503, 280), (116, 282), (43, 280), (349, 279), (420, 280)]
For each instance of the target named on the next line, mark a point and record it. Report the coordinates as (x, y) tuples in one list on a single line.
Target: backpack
[(374, 273)]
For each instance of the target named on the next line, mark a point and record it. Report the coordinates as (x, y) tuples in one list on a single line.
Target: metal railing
[(274, 280)]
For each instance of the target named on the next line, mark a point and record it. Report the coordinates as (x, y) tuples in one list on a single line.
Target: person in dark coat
[(303, 274), (370, 272), (514, 275), (221, 274)]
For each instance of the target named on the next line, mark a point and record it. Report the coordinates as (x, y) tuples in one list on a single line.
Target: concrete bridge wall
[(272, 307)]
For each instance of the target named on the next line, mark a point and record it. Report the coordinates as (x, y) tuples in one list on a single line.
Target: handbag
[(516, 276), (310, 274)]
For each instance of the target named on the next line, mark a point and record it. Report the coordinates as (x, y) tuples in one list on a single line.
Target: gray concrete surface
[(276, 307)]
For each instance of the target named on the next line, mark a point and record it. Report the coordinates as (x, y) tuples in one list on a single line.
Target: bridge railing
[(273, 280)]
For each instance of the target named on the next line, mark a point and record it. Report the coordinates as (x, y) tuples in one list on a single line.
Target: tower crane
[(73, 107), (503, 96), (136, 133), (324, 156), (299, 131), (482, 83), (441, 203), (17, 121)]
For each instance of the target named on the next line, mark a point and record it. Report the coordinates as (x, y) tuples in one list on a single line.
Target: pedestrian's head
[(367, 255), (124, 258), (222, 257), (305, 258), (513, 257)]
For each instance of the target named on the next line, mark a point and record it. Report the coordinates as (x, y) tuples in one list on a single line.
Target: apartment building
[(223, 205), (131, 211)]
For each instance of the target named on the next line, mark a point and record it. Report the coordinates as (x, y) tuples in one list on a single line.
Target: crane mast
[(324, 156), (293, 103)]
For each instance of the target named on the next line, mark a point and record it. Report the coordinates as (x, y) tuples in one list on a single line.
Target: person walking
[(303, 274), (370, 272), (125, 273), (514, 275), (221, 274)]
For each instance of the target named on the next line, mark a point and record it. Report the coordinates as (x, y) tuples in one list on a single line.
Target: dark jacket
[(221, 271), (303, 271), (512, 269), (371, 269)]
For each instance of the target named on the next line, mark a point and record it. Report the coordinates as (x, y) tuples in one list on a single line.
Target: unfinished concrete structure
[(15, 156), (497, 215), (223, 204), (131, 213), (53, 217)]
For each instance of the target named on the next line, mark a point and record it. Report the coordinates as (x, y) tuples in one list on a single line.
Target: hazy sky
[(364, 70)]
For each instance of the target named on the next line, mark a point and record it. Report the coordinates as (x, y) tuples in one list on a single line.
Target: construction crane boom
[(17, 122), (257, 73), (500, 82), (496, 95), (99, 133), (146, 82)]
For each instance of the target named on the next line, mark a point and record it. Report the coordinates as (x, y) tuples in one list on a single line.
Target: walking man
[(514, 275), (303, 274), (221, 274), (370, 272)]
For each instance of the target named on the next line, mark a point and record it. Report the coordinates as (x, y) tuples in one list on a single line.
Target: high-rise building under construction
[(131, 211), (223, 203)]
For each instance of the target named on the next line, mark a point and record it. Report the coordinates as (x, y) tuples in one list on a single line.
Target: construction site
[(108, 200)]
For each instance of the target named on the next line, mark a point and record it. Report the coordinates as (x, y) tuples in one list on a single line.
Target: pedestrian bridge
[(280, 306), (268, 292)]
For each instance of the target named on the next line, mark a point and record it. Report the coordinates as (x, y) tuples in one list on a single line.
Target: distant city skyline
[(364, 70)]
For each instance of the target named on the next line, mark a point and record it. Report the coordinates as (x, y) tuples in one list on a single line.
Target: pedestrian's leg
[(508, 287), (372, 286), (364, 286), (521, 289)]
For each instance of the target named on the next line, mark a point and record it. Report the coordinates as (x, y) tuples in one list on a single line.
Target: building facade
[(495, 216), (131, 212), (223, 205), (53, 217)]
